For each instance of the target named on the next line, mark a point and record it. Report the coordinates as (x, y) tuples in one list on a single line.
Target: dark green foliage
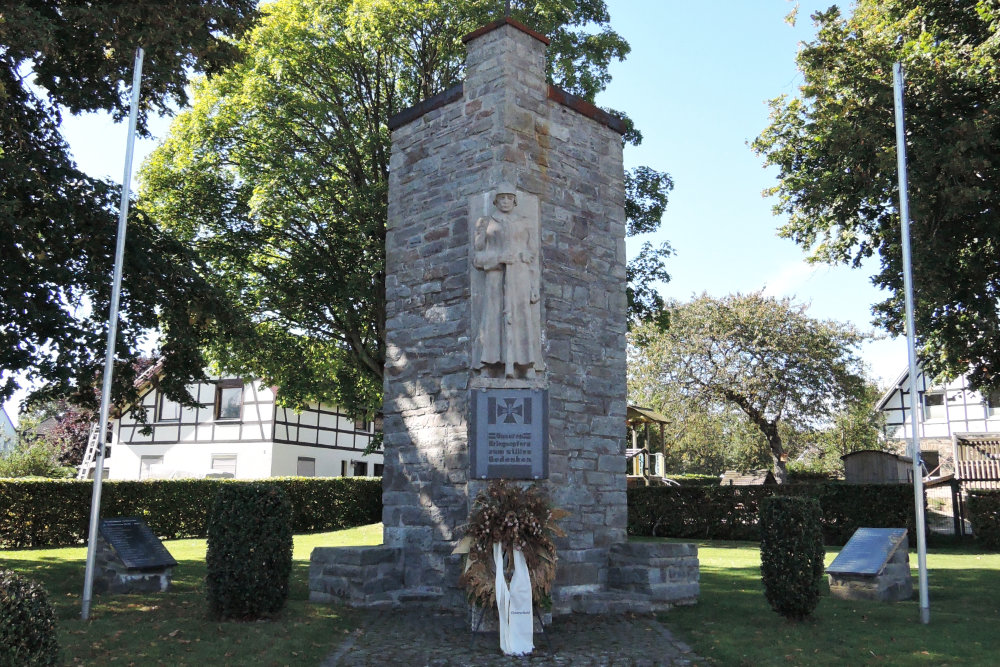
[(57, 224), (27, 625), (280, 181), (39, 513), (791, 554), (834, 147), (249, 558), (984, 514), (731, 512)]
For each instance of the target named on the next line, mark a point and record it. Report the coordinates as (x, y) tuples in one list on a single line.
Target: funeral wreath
[(516, 518)]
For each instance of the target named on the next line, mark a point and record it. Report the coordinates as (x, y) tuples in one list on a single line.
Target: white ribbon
[(514, 605)]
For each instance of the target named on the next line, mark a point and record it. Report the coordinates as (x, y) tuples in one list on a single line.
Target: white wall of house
[(237, 428), (945, 409), (8, 434)]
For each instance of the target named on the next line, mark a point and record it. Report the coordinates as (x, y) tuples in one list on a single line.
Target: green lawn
[(731, 624), (173, 629)]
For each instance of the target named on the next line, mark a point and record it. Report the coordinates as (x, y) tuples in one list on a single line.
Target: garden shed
[(870, 466)]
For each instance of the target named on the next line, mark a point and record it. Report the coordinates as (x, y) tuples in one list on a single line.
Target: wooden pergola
[(636, 418)]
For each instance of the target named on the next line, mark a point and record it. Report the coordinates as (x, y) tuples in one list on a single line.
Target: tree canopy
[(58, 225), (760, 355), (834, 147), (278, 173)]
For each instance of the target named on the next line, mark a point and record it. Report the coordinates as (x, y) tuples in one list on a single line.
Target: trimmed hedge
[(984, 515), (249, 557), (731, 512), (791, 554), (51, 513), (27, 624)]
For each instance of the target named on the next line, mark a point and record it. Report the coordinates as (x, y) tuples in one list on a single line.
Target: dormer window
[(229, 400)]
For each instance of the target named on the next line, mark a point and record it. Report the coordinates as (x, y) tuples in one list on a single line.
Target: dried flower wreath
[(517, 518)]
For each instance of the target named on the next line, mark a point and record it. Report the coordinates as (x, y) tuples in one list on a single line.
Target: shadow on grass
[(174, 627), (734, 625)]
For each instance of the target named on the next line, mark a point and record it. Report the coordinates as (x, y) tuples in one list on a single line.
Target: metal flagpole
[(911, 353), (95, 502)]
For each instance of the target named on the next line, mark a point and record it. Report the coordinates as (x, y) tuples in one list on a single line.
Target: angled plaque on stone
[(135, 544), (868, 551), (508, 434)]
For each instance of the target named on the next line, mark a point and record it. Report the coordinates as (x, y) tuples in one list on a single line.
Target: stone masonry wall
[(505, 125)]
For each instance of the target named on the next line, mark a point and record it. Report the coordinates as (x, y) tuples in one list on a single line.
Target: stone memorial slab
[(868, 550), (508, 434), (136, 545)]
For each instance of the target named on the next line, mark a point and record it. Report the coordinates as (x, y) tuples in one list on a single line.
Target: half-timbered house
[(237, 430), (948, 411)]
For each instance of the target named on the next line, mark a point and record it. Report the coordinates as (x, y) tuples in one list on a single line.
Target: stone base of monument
[(873, 565), (642, 577), (112, 576)]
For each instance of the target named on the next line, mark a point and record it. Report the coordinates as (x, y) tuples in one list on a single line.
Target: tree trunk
[(777, 453)]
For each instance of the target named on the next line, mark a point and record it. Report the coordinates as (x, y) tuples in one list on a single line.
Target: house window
[(343, 468), (378, 469), (934, 406), (169, 411), (360, 425), (224, 463), (306, 467), (993, 403), (228, 399), (360, 469), (145, 462)]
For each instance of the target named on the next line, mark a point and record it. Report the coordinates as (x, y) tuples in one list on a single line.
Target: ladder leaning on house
[(89, 454)]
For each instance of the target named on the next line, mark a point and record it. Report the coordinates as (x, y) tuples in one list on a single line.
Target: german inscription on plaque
[(508, 434), (136, 545), (868, 551)]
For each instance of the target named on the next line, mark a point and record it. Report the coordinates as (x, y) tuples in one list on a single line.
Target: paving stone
[(415, 638)]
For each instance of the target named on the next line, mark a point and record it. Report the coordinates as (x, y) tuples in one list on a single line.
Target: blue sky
[(696, 83)]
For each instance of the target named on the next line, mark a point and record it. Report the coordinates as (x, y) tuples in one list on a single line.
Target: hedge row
[(731, 512), (984, 515), (49, 513)]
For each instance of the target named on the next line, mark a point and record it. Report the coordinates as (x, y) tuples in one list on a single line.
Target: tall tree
[(834, 147), (58, 225), (278, 173), (761, 355)]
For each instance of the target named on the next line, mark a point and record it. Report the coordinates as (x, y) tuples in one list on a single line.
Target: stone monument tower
[(506, 316)]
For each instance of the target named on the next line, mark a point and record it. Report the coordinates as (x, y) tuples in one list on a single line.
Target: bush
[(31, 459), (732, 512), (27, 625), (984, 515), (791, 554), (47, 513), (249, 558)]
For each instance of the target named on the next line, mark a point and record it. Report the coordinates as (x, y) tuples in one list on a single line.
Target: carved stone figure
[(505, 249)]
